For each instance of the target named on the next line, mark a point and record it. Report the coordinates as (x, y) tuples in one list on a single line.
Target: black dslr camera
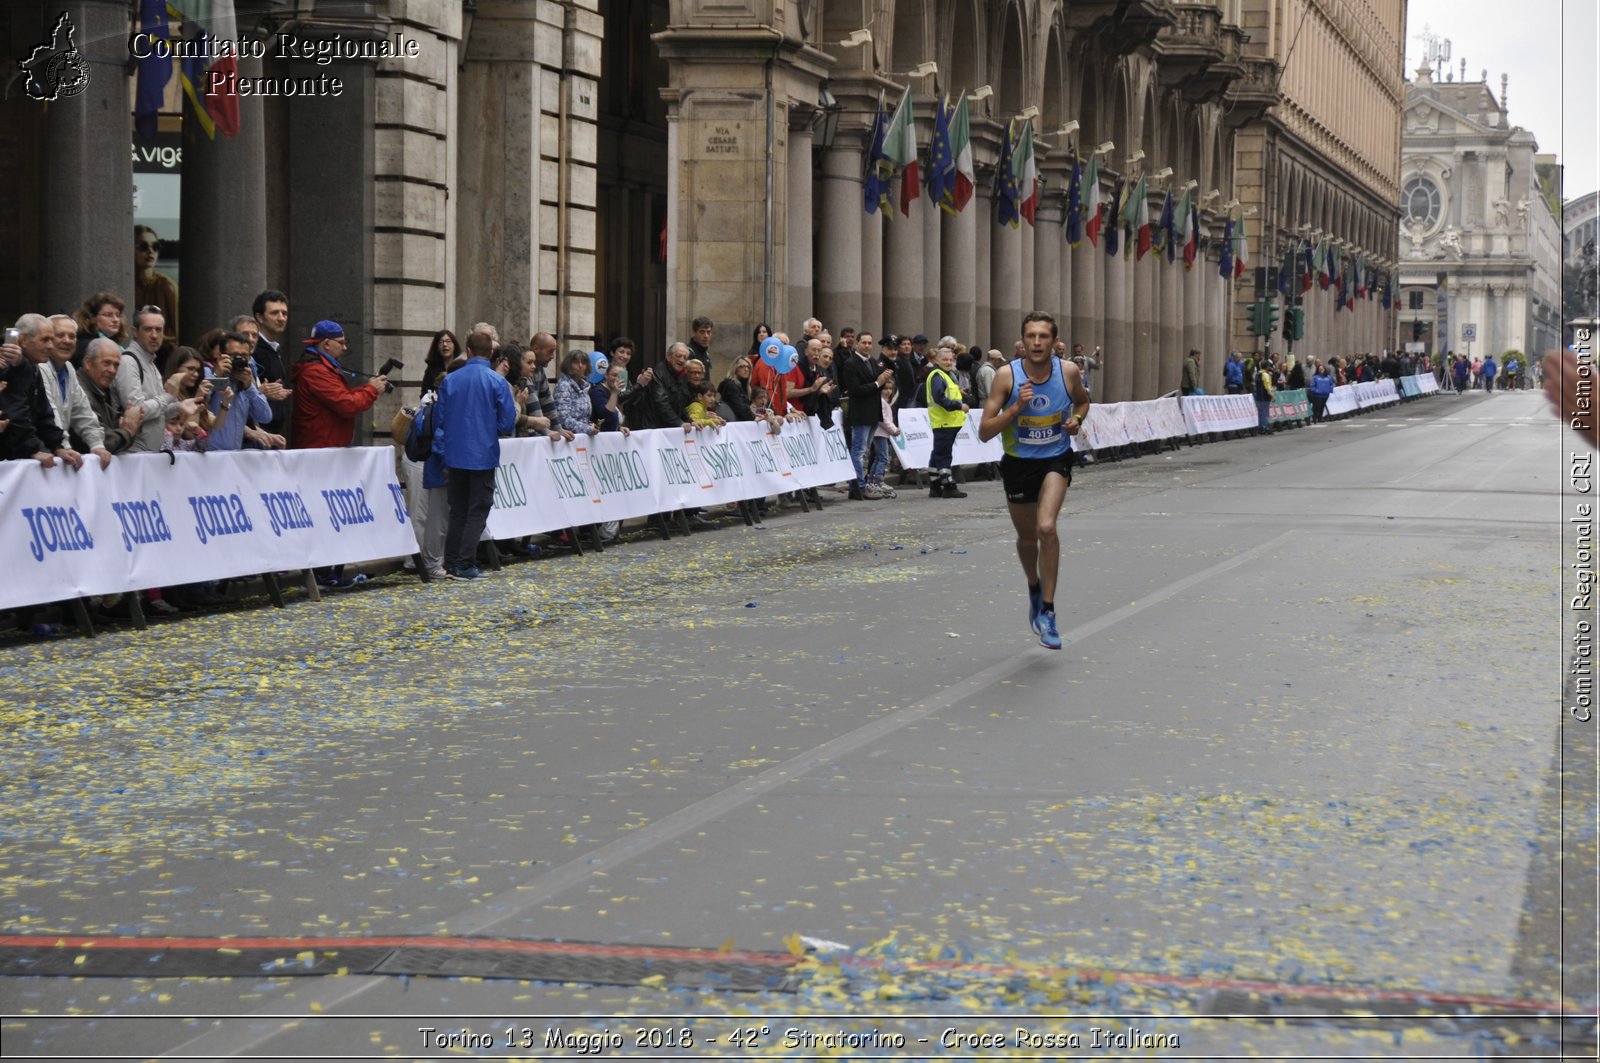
[(388, 367)]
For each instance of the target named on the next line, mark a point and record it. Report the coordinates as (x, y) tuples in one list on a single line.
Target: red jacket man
[(326, 404)]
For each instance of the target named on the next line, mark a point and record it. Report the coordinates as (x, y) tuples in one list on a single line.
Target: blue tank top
[(1040, 430)]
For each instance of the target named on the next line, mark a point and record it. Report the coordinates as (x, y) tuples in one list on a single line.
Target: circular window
[(1421, 202)]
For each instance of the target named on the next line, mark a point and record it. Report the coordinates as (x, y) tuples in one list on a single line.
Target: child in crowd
[(705, 400), (883, 441)]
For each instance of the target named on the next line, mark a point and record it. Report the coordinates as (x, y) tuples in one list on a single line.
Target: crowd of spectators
[(106, 381)]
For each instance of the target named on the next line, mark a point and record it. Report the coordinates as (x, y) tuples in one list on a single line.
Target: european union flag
[(1225, 267), (941, 160), (875, 186), (1075, 204), (154, 72), (1007, 194)]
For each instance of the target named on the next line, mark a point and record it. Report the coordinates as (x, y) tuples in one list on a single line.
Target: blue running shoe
[(1035, 604), (1049, 638), (467, 574)]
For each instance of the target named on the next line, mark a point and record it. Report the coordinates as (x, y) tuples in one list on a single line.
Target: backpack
[(1261, 392), (419, 437)]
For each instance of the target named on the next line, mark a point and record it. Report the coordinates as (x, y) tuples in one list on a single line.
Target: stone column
[(499, 263), (1064, 286), (224, 211), (1193, 332), (982, 210), (1213, 300), (1143, 331), (1047, 263), (1216, 309), (1025, 271), (927, 212), (796, 223), (414, 229), (872, 301), (903, 280), (1116, 363), (958, 275), (838, 275), (1005, 281), (330, 238), (728, 88), (1087, 319), (87, 233), (1173, 350)]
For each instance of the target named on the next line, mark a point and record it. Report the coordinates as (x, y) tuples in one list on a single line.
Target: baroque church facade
[(1481, 241)]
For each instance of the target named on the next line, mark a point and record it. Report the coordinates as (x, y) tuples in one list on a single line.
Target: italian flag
[(1242, 254), (215, 20), (957, 197), (1024, 169), (900, 145), (1092, 213), (1191, 227)]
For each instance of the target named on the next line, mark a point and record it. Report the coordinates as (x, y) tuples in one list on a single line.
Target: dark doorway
[(631, 270)]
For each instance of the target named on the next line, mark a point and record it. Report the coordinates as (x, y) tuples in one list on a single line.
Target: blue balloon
[(788, 358), (597, 366), (771, 348)]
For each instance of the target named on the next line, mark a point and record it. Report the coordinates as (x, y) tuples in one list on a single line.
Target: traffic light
[(1294, 324), (1263, 318)]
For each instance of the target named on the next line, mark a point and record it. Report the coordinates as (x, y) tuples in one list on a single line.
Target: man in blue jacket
[(475, 408), (1233, 374)]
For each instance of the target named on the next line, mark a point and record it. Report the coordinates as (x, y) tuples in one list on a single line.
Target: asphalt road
[(1307, 732)]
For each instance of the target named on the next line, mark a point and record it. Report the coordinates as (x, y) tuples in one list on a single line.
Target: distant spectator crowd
[(107, 380)]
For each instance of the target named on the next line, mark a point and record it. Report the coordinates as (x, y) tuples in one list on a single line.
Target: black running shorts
[(1024, 476)]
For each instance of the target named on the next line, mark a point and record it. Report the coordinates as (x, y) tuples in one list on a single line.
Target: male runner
[(1036, 405)]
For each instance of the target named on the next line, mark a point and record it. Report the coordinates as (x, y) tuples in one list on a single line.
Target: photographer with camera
[(327, 399), (235, 399)]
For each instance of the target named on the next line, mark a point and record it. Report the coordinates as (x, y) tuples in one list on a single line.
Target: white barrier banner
[(542, 486), (818, 457), (1116, 424), (1163, 418), (914, 444), (1376, 392), (1219, 413), (154, 521), (1426, 383), (1342, 401), (1106, 428)]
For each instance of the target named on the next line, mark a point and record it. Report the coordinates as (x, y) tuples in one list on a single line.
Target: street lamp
[(825, 125)]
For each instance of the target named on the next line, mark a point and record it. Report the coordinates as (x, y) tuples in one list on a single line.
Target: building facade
[(1580, 225), (1481, 246), (1322, 165), (603, 167), (1580, 281)]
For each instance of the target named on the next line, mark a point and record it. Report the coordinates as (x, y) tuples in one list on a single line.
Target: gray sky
[(1550, 49)]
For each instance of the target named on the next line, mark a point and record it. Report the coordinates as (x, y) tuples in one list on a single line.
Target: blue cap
[(324, 330)]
